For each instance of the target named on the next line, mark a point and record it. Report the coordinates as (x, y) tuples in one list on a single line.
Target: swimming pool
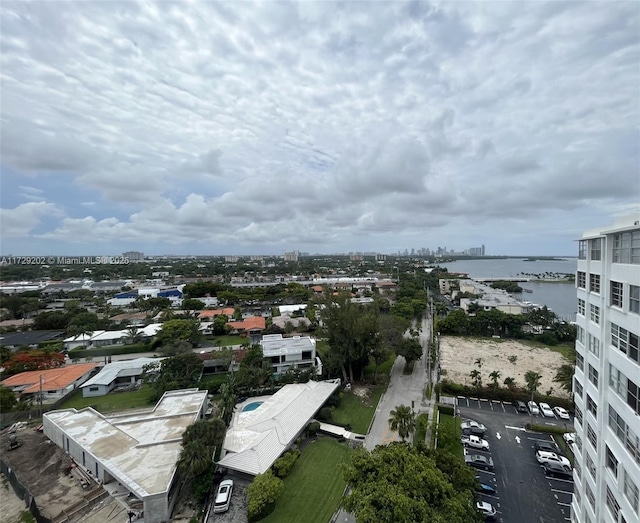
[(252, 406)]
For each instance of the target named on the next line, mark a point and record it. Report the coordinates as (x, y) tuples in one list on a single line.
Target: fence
[(23, 493)]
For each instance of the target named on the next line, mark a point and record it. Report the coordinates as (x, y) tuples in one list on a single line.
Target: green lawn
[(358, 412), (112, 402), (567, 350), (313, 490), (449, 435)]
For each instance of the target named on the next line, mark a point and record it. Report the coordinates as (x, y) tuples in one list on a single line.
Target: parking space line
[(562, 491), (563, 504), (489, 496), (558, 479)]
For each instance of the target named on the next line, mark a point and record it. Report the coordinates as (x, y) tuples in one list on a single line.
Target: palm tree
[(533, 381), (194, 459), (564, 376), (403, 420), (133, 335), (510, 383), (476, 377), (494, 376)]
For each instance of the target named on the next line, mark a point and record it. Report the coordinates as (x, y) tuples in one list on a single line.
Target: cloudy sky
[(238, 127)]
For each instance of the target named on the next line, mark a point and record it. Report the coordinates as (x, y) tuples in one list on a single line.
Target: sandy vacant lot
[(458, 356)]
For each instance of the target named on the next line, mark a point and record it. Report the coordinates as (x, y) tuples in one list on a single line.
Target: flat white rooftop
[(124, 368), (140, 450)]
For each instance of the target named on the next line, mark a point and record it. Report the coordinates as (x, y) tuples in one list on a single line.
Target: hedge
[(108, 351), (548, 429), (446, 409), (284, 463)]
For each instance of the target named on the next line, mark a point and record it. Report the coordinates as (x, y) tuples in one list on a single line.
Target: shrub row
[(284, 463), (446, 409), (546, 428)]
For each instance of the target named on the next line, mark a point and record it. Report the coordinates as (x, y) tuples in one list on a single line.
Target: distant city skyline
[(213, 128)]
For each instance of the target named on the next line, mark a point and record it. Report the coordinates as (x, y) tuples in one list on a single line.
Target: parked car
[(569, 437), (546, 457), (473, 431), (546, 446), (521, 406), (223, 496), (546, 410), (479, 461), (487, 510), (533, 408), (473, 424), (475, 442), (561, 413), (553, 468), (483, 488)]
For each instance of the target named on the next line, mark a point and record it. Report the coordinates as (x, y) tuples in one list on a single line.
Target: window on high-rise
[(580, 334), (578, 443), (595, 248), (577, 387), (611, 462), (631, 491), (592, 406), (594, 312), (633, 398), (582, 249), (627, 342), (580, 362), (594, 283), (624, 434), (591, 466), (616, 298), (617, 381), (592, 437), (594, 345), (593, 376), (582, 280), (581, 306), (634, 299), (590, 496), (578, 414), (612, 504), (626, 247)]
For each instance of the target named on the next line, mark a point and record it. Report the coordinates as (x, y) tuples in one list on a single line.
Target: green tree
[(564, 376), (495, 375), (220, 327), (7, 399), (176, 372), (194, 459), (420, 492), (193, 304), (476, 377), (510, 383), (410, 349), (262, 493), (351, 331), (403, 420), (179, 330), (532, 380)]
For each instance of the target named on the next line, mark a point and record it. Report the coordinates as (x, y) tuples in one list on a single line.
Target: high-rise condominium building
[(607, 376)]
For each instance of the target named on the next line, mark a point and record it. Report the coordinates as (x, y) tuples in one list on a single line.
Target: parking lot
[(524, 494)]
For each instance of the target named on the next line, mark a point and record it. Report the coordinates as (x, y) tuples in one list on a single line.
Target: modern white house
[(103, 338), (607, 375), (117, 374), (139, 450), (297, 352)]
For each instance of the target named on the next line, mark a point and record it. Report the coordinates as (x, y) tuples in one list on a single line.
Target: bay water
[(560, 297)]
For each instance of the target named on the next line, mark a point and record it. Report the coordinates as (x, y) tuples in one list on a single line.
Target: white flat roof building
[(289, 353), (258, 437), (115, 374), (139, 450)]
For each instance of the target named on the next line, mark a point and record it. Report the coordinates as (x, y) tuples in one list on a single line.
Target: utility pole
[(40, 395)]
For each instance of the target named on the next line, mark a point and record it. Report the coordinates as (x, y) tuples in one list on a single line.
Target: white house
[(116, 374), (289, 353)]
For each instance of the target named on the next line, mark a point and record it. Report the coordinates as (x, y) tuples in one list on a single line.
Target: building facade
[(607, 375), (298, 352)]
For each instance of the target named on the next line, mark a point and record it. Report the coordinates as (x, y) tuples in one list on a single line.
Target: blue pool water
[(252, 406)]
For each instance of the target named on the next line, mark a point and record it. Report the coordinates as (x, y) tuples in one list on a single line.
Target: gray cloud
[(318, 125)]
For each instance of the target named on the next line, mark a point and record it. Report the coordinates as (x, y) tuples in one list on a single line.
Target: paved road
[(402, 390)]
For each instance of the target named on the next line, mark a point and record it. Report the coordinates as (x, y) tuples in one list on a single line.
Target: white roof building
[(139, 451), (297, 352), (258, 437), (116, 374)]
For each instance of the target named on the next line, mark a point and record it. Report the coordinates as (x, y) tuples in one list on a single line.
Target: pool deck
[(237, 412)]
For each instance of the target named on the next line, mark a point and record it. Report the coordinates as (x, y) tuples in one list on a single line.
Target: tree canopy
[(401, 484), (176, 372), (179, 330)]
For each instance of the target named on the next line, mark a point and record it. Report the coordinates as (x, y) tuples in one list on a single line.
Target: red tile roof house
[(211, 314), (54, 383), (248, 326)]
